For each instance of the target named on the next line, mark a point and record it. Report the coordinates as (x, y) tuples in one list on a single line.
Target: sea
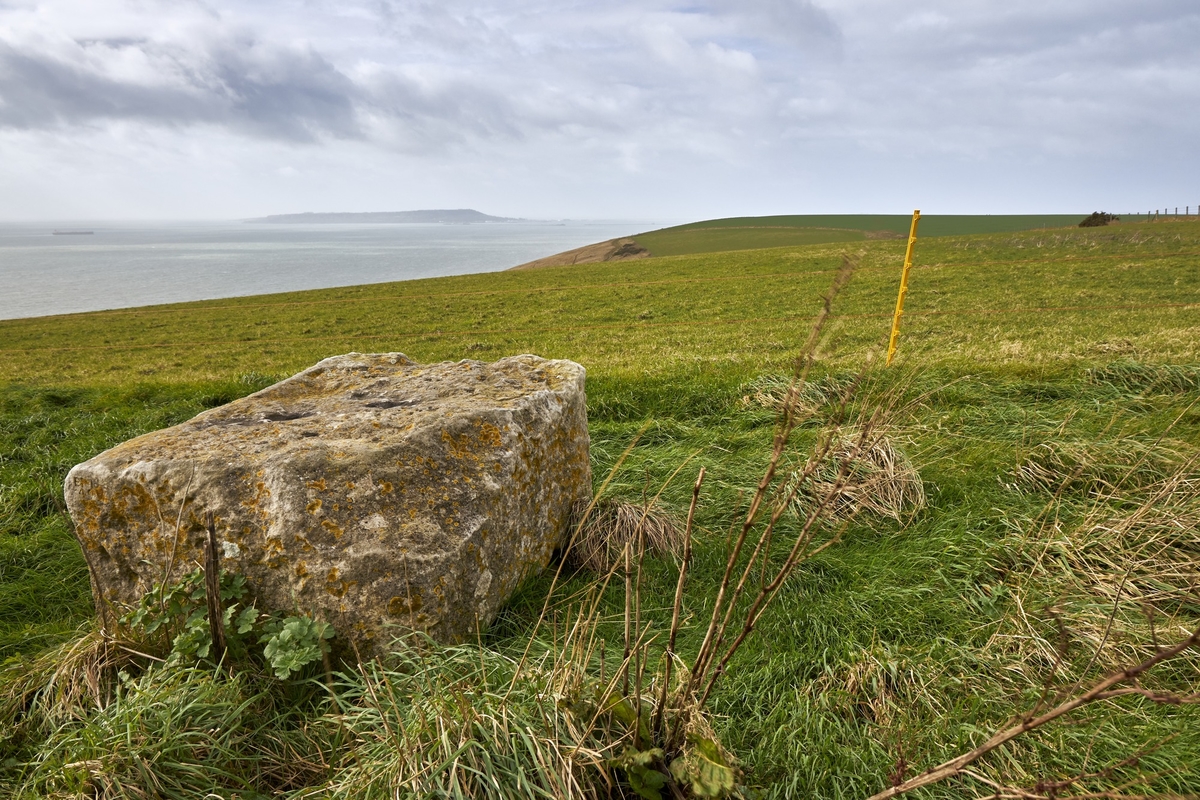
[(121, 265)]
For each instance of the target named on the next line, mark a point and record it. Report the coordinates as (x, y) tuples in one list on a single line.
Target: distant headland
[(446, 215)]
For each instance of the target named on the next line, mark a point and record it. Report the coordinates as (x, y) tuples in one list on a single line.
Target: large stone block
[(368, 490)]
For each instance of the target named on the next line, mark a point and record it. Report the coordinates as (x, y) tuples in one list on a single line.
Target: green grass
[(1019, 298), (912, 638), (689, 241), (746, 233)]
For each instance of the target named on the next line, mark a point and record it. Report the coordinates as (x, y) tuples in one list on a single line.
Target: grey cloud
[(419, 118), (792, 22), (648, 76), (286, 95), (975, 79), (290, 95), (1104, 33), (500, 73)]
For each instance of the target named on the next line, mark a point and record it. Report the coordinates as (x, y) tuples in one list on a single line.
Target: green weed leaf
[(704, 769), (293, 643), (641, 771)]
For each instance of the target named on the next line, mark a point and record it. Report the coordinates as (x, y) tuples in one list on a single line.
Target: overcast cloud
[(648, 109)]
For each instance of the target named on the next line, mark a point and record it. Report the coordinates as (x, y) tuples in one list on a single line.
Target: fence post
[(908, 253)]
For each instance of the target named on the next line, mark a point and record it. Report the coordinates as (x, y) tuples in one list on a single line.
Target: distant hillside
[(429, 215), (752, 233), (748, 233), (624, 249)]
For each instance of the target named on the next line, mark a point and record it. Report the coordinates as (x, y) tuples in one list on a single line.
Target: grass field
[(744, 233), (1033, 363)]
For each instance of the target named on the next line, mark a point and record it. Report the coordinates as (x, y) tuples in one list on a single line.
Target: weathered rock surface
[(368, 490)]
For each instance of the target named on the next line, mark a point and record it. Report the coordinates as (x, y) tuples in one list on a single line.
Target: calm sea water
[(131, 264)]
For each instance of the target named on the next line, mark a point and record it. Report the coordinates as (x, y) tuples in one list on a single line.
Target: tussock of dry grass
[(1132, 376), (61, 684), (1123, 581), (1151, 556), (1096, 467), (599, 545), (771, 392), (875, 477), (468, 722), (876, 686)]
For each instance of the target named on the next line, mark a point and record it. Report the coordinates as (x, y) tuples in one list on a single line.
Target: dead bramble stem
[(723, 604), (683, 570), (1102, 690), (212, 589), (628, 599)]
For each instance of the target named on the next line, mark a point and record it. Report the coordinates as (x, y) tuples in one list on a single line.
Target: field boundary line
[(597, 326)]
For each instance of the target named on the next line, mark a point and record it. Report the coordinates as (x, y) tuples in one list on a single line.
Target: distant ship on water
[(73, 233)]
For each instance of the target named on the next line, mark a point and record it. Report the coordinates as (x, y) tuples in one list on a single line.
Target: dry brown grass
[(864, 473), (877, 686), (600, 544), (63, 683), (1123, 580), (1097, 467), (771, 392)]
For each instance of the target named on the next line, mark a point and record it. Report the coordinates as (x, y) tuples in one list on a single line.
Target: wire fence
[(1166, 213)]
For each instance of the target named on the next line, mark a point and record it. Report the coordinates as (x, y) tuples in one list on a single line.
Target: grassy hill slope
[(1047, 389), (1028, 298), (743, 233)]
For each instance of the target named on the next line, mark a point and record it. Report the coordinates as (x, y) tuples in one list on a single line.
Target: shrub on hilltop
[(1098, 219)]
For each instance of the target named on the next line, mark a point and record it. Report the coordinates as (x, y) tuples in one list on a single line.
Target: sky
[(620, 109)]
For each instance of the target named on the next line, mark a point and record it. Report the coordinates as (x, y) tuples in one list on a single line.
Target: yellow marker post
[(912, 240)]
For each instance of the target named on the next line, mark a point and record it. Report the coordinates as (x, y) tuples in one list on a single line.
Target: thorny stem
[(628, 598), (799, 552), (637, 623), (764, 540), (782, 436), (1100, 691), (683, 570), (212, 589)]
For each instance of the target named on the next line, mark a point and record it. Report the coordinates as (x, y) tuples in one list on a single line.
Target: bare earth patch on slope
[(623, 249)]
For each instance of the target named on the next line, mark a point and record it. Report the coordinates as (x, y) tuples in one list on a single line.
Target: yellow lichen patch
[(385, 487), (261, 494), (302, 570), (485, 436), (319, 484), (336, 587), (399, 606), (489, 435), (313, 506), (332, 528)]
